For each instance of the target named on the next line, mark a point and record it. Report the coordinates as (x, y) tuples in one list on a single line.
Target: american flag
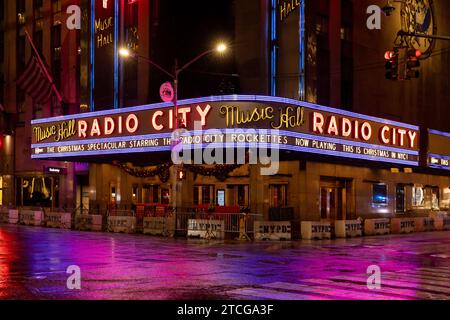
[(35, 82)]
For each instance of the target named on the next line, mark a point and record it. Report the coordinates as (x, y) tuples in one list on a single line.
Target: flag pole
[(49, 77)]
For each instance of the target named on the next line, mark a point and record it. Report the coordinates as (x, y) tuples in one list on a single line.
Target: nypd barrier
[(88, 222), (31, 217), (160, 226), (206, 229), (13, 216), (275, 231), (4, 215), (348, 228), (315, 230), (425, 224), (122, 224), (375, 227), (403, 225), (61, 220)]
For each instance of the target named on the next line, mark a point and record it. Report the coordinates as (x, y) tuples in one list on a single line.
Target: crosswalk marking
[(427, 283), (418, 279), (332, 292), (388, 292), (399, 284), (272, 294)]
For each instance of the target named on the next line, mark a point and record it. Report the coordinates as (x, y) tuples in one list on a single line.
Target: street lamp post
[(221, 48)]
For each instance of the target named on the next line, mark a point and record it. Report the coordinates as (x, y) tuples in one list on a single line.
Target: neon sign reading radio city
[(130, 124), (359, 130)]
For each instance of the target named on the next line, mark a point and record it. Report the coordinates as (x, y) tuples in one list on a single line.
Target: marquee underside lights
[(227, 122), (439, 150)]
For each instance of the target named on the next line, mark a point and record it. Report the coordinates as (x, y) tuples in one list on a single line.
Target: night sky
[(188, 29)]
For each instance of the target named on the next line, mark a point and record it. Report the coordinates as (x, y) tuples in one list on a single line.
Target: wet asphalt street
[(33, 264)]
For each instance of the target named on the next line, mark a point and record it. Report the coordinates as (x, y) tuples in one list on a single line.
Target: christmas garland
[(162, 171), (220, 172)]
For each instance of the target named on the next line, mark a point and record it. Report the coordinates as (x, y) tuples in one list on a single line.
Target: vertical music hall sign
[(104, 59)]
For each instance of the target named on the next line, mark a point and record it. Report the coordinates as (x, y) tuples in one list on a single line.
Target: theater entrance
[(334, 199)]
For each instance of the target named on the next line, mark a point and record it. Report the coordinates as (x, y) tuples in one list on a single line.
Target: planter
[(13, 216), (206, 229), (348, 228), (373, 227), (31, 218), (59, 220), (87, 222), (274, 231), (122, 224), (425, 224), (315, 230), (403, 225), (160, 226)]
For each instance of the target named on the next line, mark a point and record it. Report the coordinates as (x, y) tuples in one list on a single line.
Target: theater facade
[(279, 158)]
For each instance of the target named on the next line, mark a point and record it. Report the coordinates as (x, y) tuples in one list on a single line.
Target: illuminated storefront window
[(278, 195), (418, 196), (38, 191), (379, 195)]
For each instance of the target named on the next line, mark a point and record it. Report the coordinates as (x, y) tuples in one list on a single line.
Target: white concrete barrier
[(348, 228), (4, 215), (88, 222), (315, 230), (206, 229), (160, 226), (61, 220), (425, 224), (403, 225), (31, 217), (374, 227), (122, 224), (275, 231), (446, 223), (13, 216)]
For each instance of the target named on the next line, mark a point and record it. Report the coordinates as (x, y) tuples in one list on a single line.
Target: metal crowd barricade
[(236, 225)]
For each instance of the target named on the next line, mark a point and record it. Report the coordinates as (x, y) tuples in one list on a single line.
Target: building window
[(134, 194), (418, 196), (56, 6), (379, 195), (400, 200), (38, 41), (1, 190), (150, 194), (37, 7), (204, 195), (278, 195), (435, 199), (37, 191), (20, 54)]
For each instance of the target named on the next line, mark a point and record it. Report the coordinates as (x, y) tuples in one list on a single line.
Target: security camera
[(388, 9)]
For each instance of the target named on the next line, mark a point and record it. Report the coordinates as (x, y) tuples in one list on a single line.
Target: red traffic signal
[(389, 55)]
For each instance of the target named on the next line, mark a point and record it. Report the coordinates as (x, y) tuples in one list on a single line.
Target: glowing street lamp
[(221, 48)]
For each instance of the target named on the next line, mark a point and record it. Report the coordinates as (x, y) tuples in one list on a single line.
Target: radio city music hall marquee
[(230, 120)]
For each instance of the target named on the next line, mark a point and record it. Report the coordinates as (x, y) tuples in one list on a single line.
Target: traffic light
[(391, 65), (412, 64)]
